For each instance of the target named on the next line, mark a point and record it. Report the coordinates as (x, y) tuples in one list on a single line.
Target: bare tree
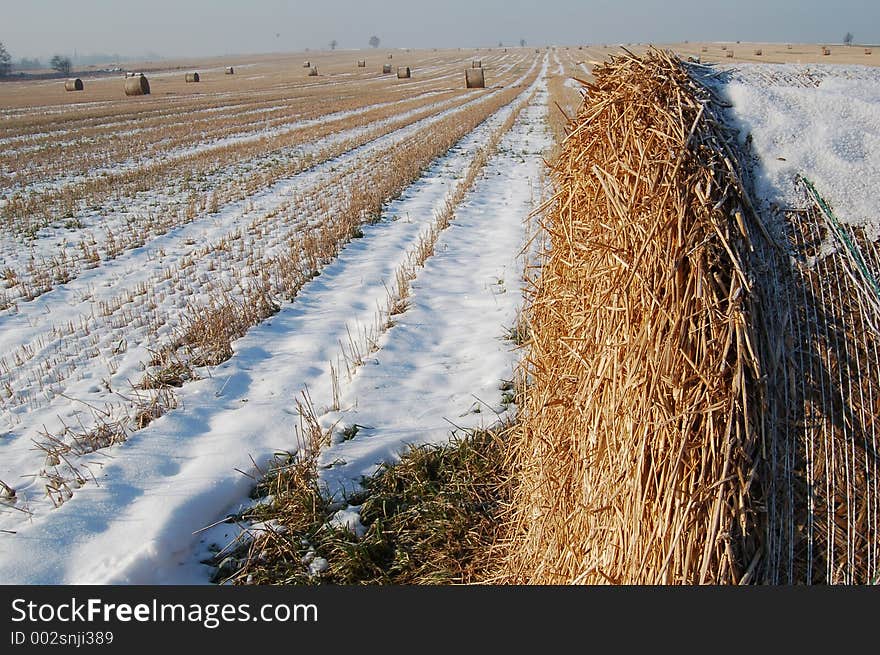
[(333, 44), (61, 64), (848, 39), (522, 43), (374, 41), (5, 61)]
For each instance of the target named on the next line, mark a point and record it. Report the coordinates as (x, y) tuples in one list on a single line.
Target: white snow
[(822, 122)]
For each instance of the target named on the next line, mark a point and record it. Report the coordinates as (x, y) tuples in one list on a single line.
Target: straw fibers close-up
[(669, 434)]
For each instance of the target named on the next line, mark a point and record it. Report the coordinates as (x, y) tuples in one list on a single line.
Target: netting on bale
[(638, 452), (824, 500)]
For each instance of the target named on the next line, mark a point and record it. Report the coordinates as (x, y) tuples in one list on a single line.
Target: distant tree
[(25, 64), (500, 45), (848, 39), (522, 43), (5, 61), (333, 44), (374, 41), (61, 64)]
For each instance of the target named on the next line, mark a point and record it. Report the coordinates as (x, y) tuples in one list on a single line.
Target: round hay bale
[(313, 71), (230, 70), (758, 52), (192, 77), (477, 63), (730, 54), (403, 72), (137, 85), (867, 51), (307, 64), (826, 51), (73, 84), (704, 49), (386, 68), (390, 56), (362, 63), (474, 78)]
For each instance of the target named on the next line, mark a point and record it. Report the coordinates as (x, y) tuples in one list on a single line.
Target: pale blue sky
[(39, 28)]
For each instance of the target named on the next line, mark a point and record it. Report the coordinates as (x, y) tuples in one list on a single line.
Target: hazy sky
[(39, 28)]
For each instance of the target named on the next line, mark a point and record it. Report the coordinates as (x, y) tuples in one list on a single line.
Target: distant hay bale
[(477, 63), (537, 50), (867, 51), (730, 54), (390, 56), (403, 72), (788, 46), (386, 68), (73, 84), (193, 77), (229, 70), (724, 47), (826, 51), (362, 63), (137, 85), (313, 71), (307, 64), (474, 78), (758, 52), (704, 49)]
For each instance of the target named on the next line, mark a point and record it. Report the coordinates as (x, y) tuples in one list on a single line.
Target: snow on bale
[(137, 84), (362, 63), (73, 84), (229, 70), (192, 77), (386, 68), (307, 64), (403, 72), (313, 71), (474, 78)]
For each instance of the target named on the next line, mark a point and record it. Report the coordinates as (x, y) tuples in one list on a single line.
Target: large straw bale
[(474, 78), (703, 378), (137, 85), (637, 448)]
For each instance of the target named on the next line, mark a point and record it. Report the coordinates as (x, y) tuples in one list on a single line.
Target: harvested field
[(282, 328), (145, 242)]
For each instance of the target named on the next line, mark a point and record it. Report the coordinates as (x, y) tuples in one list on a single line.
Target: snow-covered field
[(94, 288), (133, 511)]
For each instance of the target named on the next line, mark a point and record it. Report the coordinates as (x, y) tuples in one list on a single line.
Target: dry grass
[(637, 452), (429, 518)]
